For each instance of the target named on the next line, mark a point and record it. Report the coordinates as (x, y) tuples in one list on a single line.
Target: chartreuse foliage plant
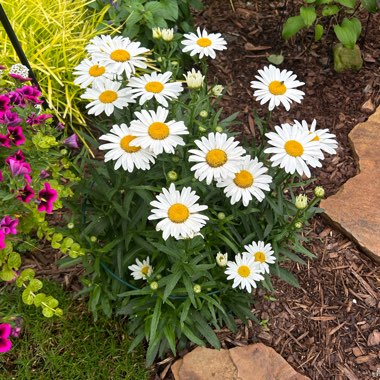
[(72, 347), (183, 217), (36, 174), (53, 35)]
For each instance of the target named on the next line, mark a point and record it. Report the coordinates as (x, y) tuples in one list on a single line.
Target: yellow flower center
[(260, 257), (244, 179), (124, 143), (96, 70), (216, 158), (294, 148), (158, 131), (120, 55), (277, 88), (108, 96), (145, 270), (155, 87), (178, 213), (204, 42), (244, 271)]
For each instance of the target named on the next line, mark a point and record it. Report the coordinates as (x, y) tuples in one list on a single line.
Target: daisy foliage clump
[(183, 216)]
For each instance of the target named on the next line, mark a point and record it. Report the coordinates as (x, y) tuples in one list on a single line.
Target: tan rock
[(259, 362), (368, 107), (354, 209)]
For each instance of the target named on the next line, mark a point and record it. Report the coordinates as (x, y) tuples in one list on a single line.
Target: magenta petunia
[(8, 225), (71, 141), (2, 240), (4, 141), (9, 118), (16, 98), (30, 94), (44, 174), (18, 156), (25, 194), (34, 119), (16, 135), (20, 78), (19, 167), (4, 103), (1, 176), (46, 198), (5, 332)]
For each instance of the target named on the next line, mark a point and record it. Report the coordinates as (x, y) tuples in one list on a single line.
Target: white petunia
[(120, 150), (294, 149), (244, 271), (155, 86), (141, 270), (179, 213), (217, 157), (155, 133), (325, 138), (105, 96), (203, 43), (89, 72), (249, 181), (261, 253), (275, 86)]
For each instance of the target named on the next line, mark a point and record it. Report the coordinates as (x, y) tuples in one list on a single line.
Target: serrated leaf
[(318, 32), (292, 26), (308, 15)]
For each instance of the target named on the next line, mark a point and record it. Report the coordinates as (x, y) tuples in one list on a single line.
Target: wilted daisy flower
[(194, 79), (294, 149), (203, 43), (217, 157), (121, 55), (107, 95), (129, 157), (325, 138), (250, 180), (221, 259), (179, 213), (261, 253), (155, 133), (155, 86), (89, 71), (275, 86), (244, 271), (141, 270)]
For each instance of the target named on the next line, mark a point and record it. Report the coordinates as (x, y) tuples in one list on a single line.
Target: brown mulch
[(326, 328)]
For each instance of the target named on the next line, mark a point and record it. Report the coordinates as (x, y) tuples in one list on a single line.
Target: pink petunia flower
[(5, 332), (30, 94), (8, 225), (9, 118), (20, 78), (19, 167), (34, 119), (25, 194), (71, 141), (18, 156), (15, 135), (4, 141), (2, 240), (46, 198)]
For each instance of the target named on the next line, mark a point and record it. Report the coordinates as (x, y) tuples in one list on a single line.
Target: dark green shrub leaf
[(346, 3), (292, 26), (308, 15), (330, 10)]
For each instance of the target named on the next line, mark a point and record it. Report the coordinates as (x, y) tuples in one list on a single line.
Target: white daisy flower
[(89, 72), (221, 259), (155, 133), (217, 157), (203, 43), (294, 149), (141, 270), (244, 271), (120, 150), (325, 138), (261, 253), (96, 44), (249, 181), (107, 95), (155, 86), (179, 213), (121, 55), (275, 86)]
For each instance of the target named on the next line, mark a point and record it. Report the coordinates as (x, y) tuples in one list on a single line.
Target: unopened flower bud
[(158, 277), (298, 225), (319, 192), (167, 34), (194, 79), (175, 159), (203, 114), (221, 259), (64, 152), (221, 215), (174, 62), (217, 90), (172, 175), (70, 226), (301, 202), (202, 129), (197, 288), (218, 129), (157, 34), (154, 285), (93, 239)]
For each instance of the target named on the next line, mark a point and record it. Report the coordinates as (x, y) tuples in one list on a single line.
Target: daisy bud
[(319, 192), (298, 225), (217, 90), (157, 34), (218, 129), (158, 277), (202, 129), (93, 239), (221, 259), (301, 202), (197, 288), (194, 79), (64, 152), (221, 215), (167, 34), (154, 285), (174, 62), (203, 114), (172, 175), (70, 226), (175, 159)]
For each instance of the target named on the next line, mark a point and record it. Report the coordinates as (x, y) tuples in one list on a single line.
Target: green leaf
[(155, 319), (286, 276), (372, 6), (6, 274), (206, 330), (48, 313), (191, 336), (169, 333), (292, 26), (347, 3), (318, 32), (330, 10), (308, 15), (14, 260), (39, 298), (171, 9), (27, 297), (172, 282), (348, 32), (35, 285)]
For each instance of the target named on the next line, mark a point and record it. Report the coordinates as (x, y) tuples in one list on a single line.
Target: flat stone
[(355, 208), (253, 362)]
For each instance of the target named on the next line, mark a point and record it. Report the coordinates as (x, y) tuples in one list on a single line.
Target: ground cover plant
[(204, 208)]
